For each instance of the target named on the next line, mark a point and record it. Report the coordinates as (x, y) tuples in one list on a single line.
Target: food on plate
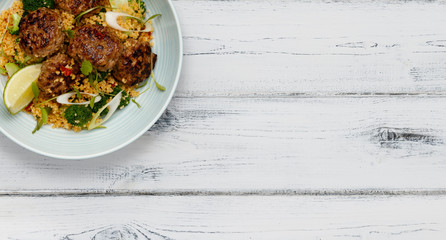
[(73, 63), (18, 92), (75, 6), (58, 75), (135, 63), (40, 33), (96, 44)]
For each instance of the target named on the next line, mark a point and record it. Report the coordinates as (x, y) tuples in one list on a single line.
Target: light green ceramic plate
[(126, 125)]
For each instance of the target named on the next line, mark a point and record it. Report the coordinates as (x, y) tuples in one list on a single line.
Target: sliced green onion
[(63, 99), (112, 20), (137, 104), (44, 119), (152, 17), (143, 84), (113, 105), (49, 100), (79, 17), (150, 86), (151, 77), (159, 86)]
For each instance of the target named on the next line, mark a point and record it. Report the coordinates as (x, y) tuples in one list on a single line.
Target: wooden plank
[(247, 144), (255, 217), (264, 48)]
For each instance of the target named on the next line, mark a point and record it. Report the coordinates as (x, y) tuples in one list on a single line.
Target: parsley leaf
[(35, 89), (86, 68), (14, 29)]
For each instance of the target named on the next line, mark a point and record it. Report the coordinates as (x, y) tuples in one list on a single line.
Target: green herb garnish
[(152, 17), (159, 86), (92, 102), (86, 68), (125, 99), (32, 5), (100, 104), (25, 61), (11, 68), (14, 29), (44, 119), (70, 33), (49, 100), (78, 94), (78, 115), (35, 89), (79, 17), (152, 76), (142, 6), (137, 104)]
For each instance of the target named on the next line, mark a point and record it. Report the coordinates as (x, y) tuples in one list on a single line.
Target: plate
[(126, 125)]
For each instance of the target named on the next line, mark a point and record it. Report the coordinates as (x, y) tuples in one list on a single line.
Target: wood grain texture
[(176, 217), (238, 144), (288, 48), (293, 120)]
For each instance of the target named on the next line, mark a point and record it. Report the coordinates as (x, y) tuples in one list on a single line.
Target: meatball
[(57, 75), (135, 63), (41, 33), (75, 6), (96, 44)]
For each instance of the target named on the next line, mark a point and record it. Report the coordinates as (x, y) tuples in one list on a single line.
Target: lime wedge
[(118, 3), (18, 91)]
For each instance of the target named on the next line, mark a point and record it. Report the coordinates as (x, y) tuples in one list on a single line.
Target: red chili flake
[(150, 34), (99, 35), (113, 85), (66, 71), (28, 108)]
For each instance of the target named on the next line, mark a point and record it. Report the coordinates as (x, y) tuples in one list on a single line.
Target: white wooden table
[(292, 120)]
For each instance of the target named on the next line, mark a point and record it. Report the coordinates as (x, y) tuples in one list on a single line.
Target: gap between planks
[(321, 95), (271, 192)]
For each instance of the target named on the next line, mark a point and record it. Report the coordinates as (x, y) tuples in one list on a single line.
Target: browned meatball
[(57, 75), (41, 33), (74, 6), (96, 44), (135, 63)]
